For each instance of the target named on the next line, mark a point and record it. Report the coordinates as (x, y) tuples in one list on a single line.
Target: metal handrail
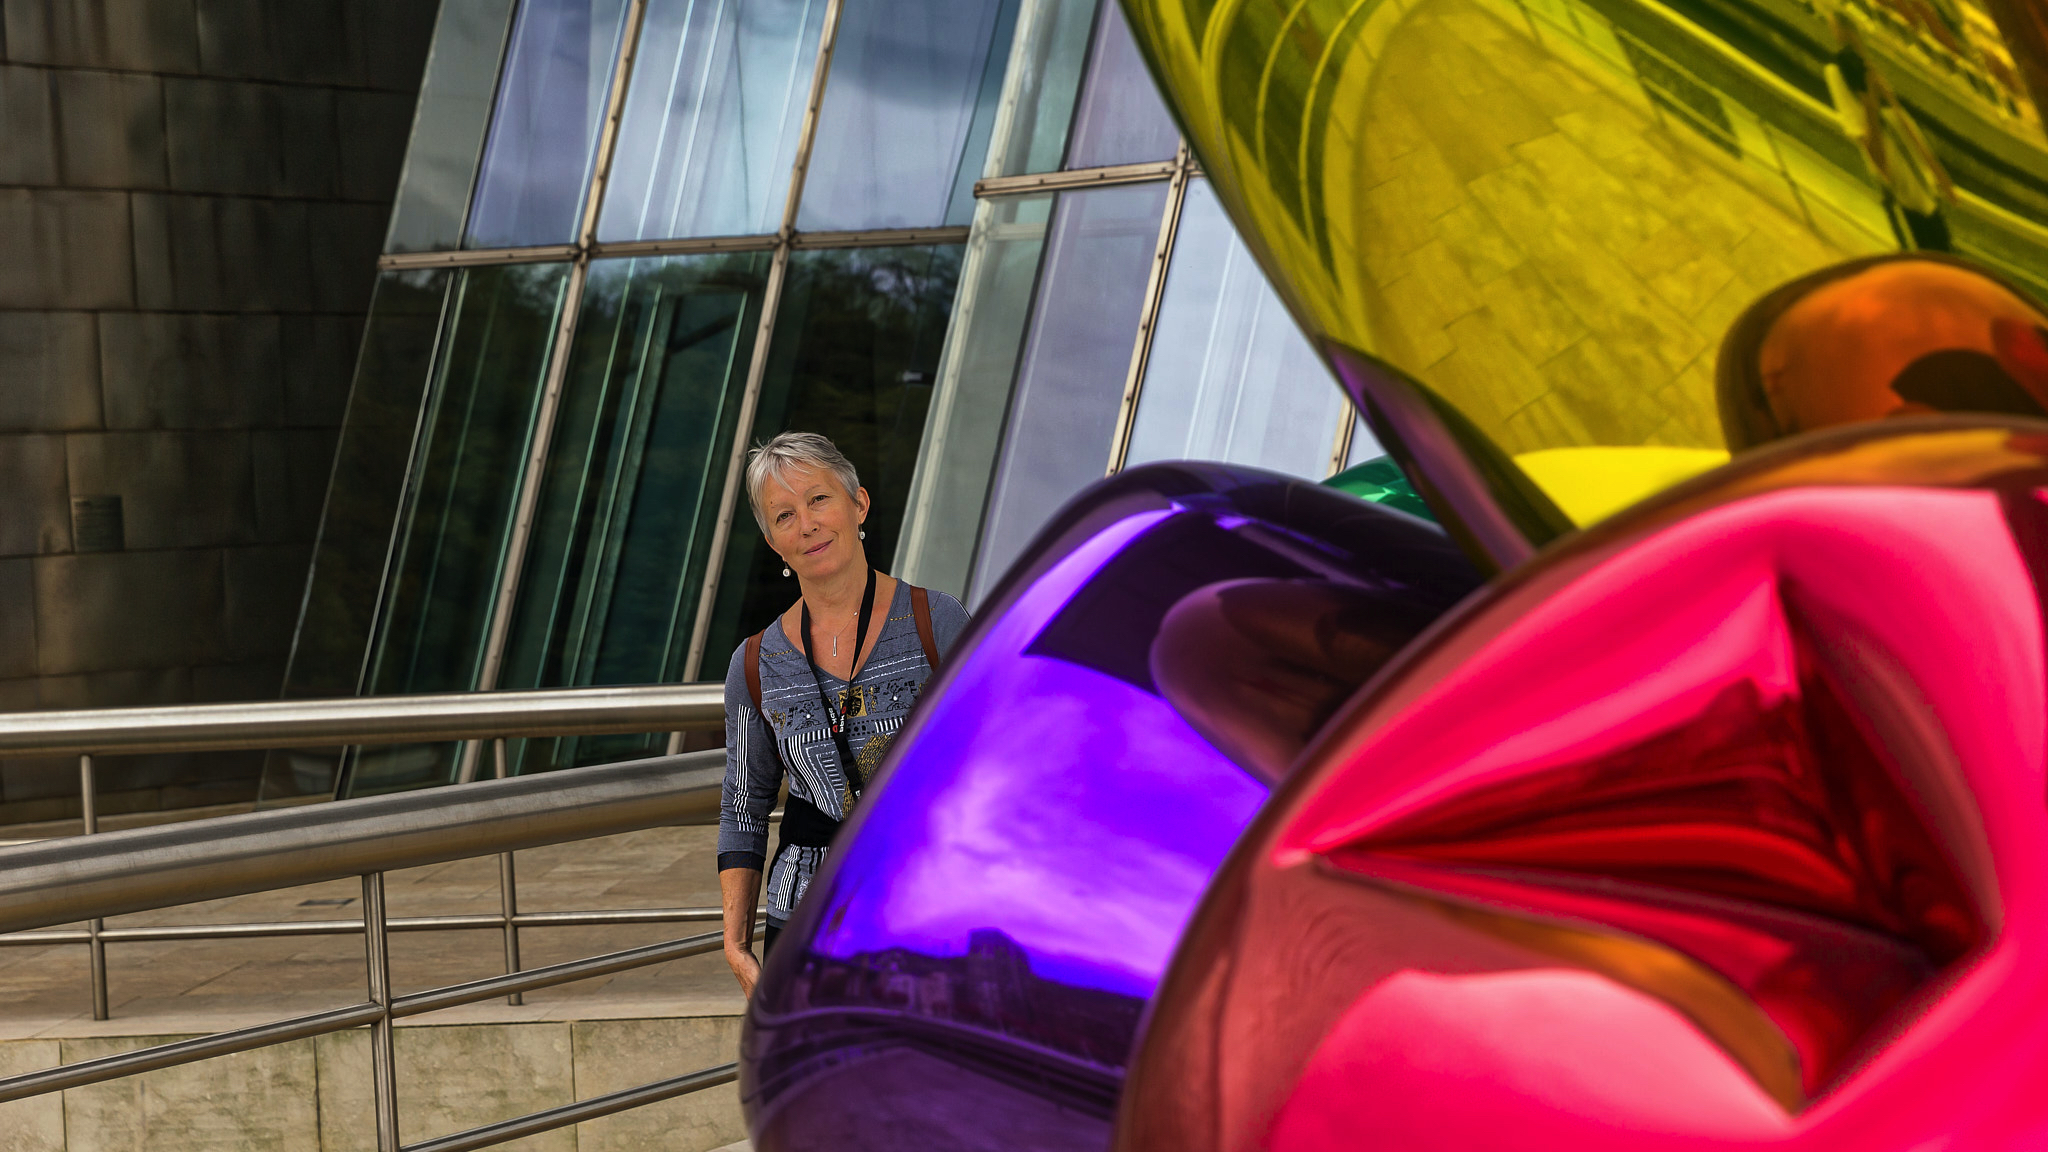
[(89, 877), (364, 720), (93, 877)]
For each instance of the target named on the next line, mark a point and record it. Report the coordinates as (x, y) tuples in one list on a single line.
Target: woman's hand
[(738, 888), (740, 958)]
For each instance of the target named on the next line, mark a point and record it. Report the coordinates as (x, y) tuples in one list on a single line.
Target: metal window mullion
[(1347, 424), (475, 257), (1105, 176), (558, 370), (757, 365), (1148, 316)]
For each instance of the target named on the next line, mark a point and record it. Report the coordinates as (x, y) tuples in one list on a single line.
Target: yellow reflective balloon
[(1548, 216)]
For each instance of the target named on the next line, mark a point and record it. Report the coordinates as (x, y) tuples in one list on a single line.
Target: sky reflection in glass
[(1121, 119), (1231, 377), (907, 114), (543, 140), (448, 128), (712, 119), (1091, 292)]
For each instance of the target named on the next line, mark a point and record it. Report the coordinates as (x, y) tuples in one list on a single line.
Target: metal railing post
[(66, 882), (89, 811), (383, 1059), (508, 891)]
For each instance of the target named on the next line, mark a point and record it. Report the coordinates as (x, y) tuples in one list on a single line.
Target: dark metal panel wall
[(193, 195)]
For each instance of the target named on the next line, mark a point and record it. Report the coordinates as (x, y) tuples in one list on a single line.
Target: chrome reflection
[(1548, 214), (970, 969), (1719, 824)]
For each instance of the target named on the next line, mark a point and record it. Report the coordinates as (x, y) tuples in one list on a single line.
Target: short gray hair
[(787, 450)]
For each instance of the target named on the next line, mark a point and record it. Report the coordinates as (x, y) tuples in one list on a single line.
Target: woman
[(821, 691)]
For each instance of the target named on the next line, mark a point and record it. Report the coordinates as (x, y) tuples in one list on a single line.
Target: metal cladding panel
[(108, 610), (177, 489), (17, 619), (142, 35), (171, 370), (65, 249), (38, 515)]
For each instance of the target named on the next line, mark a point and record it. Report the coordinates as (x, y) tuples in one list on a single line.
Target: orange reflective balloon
[(1890, 336)]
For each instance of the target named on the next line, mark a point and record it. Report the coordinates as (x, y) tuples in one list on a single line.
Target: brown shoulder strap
[(921, 611), (752, 663)]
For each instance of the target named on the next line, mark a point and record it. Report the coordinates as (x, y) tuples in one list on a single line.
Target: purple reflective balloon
[(970, 968)]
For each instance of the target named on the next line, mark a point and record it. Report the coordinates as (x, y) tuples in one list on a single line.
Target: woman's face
[(813, 522)]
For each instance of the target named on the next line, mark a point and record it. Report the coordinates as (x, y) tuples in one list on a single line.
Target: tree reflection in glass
[(856, 350)]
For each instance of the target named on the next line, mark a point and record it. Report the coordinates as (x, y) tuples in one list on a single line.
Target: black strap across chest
[(803, 823)]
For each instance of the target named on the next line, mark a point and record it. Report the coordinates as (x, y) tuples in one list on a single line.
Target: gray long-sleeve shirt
[(885, 688)]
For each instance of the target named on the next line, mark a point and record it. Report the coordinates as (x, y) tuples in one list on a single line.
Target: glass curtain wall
[(578, 331), (1109, 315)]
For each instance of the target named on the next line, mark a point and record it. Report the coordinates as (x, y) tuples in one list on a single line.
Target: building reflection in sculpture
[(1548, 213)]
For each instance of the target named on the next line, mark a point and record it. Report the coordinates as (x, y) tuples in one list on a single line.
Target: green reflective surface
[(455, 523), (855, 352), (609, 590), (1380, 481)]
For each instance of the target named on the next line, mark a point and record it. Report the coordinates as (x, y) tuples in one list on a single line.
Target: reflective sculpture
[(971, 968), (1679, 839), (1527, 226), (1710, 330)]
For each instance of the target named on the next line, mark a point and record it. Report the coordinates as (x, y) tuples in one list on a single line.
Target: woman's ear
[(861, 502)]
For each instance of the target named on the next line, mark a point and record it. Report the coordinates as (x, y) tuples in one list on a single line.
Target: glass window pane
[(543, 140), (712, 119), (1042, 84), (1364, 445), (449, 545), (908, 109), (1231, 377), (355, 526), (965, 429), (1070, 383), (448, 128), (1122, 120), (855, 350), (609, 591)]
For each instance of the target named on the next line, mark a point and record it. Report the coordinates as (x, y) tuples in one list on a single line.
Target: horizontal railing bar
[(1082, 178), (364, 720), (139, 869), (187, 1051), (591, 1109), (276, 928), (527, 980)]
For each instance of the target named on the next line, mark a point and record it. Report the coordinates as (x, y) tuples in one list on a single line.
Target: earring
[(863, 533), (785, 569)]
